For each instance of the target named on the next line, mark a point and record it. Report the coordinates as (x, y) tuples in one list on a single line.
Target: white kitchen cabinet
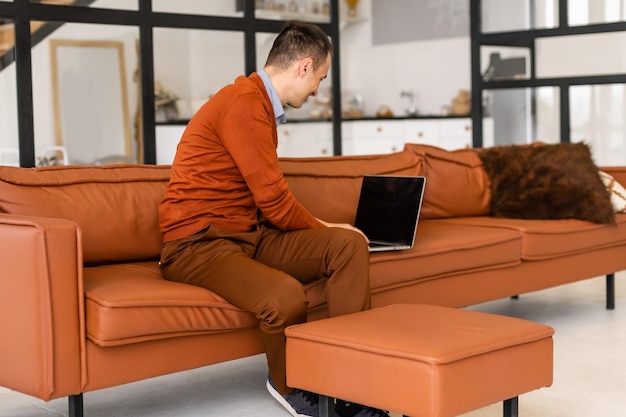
[(375, 146), (455, 133), (373, 137), (360, 137), (385, 136), (422, 131), (376, 129), (305, 139)]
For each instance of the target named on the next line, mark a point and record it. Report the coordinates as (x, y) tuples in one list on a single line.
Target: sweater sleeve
[(248, 131)]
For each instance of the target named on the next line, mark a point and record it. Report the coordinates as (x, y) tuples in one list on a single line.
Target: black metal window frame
[(22, 12), (527, 39)]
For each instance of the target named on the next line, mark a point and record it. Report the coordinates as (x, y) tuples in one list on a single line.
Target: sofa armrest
[(41, 306)]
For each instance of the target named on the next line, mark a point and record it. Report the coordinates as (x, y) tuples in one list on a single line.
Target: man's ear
[(305, 65)]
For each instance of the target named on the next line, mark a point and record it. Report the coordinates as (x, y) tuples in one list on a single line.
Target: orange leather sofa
[(83, 305)]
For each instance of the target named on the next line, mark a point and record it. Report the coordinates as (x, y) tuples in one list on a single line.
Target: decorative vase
[(352, 7), (461, 105)]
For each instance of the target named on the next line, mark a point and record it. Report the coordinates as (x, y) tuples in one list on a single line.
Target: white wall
[(435, 70)]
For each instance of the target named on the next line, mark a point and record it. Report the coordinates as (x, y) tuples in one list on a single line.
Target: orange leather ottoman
[(420, 360)]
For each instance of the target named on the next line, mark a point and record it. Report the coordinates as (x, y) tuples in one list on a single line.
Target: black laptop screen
[(389, 207)]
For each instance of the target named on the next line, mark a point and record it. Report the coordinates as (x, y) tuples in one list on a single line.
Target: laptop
[(388, 210)]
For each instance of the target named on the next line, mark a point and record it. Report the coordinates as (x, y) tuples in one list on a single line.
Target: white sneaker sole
[(282, 401)]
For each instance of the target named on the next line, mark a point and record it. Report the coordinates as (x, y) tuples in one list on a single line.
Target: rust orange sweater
[(226, 168)]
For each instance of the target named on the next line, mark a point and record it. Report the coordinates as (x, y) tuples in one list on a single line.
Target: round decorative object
[(461, 105)]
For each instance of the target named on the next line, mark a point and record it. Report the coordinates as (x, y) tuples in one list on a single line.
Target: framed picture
[(91, 116)]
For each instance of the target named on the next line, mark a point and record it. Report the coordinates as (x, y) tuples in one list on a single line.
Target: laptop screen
[(389, 207)]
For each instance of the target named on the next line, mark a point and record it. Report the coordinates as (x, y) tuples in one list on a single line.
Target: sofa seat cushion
[(548, 239), (128, 303), (443, 249)]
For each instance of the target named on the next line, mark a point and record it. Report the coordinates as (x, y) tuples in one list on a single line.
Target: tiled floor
[(589, 370)]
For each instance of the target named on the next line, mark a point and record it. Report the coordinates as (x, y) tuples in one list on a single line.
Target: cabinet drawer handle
[(379, 129), (467, 128), (324, 151), (420, 134)]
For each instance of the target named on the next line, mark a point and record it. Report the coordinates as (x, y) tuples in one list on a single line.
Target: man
[(232, 225)]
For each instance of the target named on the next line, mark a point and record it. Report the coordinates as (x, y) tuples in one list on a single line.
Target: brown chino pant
[(264, 272)]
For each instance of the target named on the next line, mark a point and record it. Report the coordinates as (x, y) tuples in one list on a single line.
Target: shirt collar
[(279, 111)]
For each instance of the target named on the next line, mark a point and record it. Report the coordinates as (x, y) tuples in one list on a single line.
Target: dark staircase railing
[(38, 34)]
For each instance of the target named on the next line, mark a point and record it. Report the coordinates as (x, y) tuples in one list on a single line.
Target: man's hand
[(345, 226)]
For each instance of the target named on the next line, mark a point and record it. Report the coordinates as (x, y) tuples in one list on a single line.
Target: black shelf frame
[(527, 39), (22, 12)]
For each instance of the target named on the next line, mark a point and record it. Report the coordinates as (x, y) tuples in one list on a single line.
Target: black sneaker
[(348, 409), (299, 403)]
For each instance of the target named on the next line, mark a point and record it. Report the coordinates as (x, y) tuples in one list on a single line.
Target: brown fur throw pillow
[(546, 182)]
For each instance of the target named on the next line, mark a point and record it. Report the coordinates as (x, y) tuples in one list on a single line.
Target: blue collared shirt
[(279, 111)]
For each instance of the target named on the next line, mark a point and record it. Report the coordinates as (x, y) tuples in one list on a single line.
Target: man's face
[(310, 83)]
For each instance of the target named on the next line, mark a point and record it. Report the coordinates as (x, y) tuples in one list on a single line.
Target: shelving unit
[(286, 15), (527, 39)]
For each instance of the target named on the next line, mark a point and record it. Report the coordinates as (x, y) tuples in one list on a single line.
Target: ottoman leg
[(510, 407)]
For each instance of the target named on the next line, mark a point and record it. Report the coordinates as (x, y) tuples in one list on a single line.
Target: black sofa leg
[(610, 292), (510, 407), (76, 405), (326, 409)]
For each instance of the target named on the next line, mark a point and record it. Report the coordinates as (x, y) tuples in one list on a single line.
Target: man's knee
[(286, 306), (348, 239)]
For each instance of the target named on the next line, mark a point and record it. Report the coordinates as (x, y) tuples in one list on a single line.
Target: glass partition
[(547, 104), (505, 63), (9, 142), (104, 4), (598, 117), (579, 55), (190, 66), (510, 110), (516, 15), (317, 11), (85, 95), (586, 12), (199, 7), (264, 42), (523, 115)]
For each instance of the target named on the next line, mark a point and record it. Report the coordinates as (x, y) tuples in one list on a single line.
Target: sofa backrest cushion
[(329, 187), (115, 206), (456, 182)]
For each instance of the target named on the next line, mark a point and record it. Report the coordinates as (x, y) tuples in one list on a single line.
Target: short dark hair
[(298, 40)]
